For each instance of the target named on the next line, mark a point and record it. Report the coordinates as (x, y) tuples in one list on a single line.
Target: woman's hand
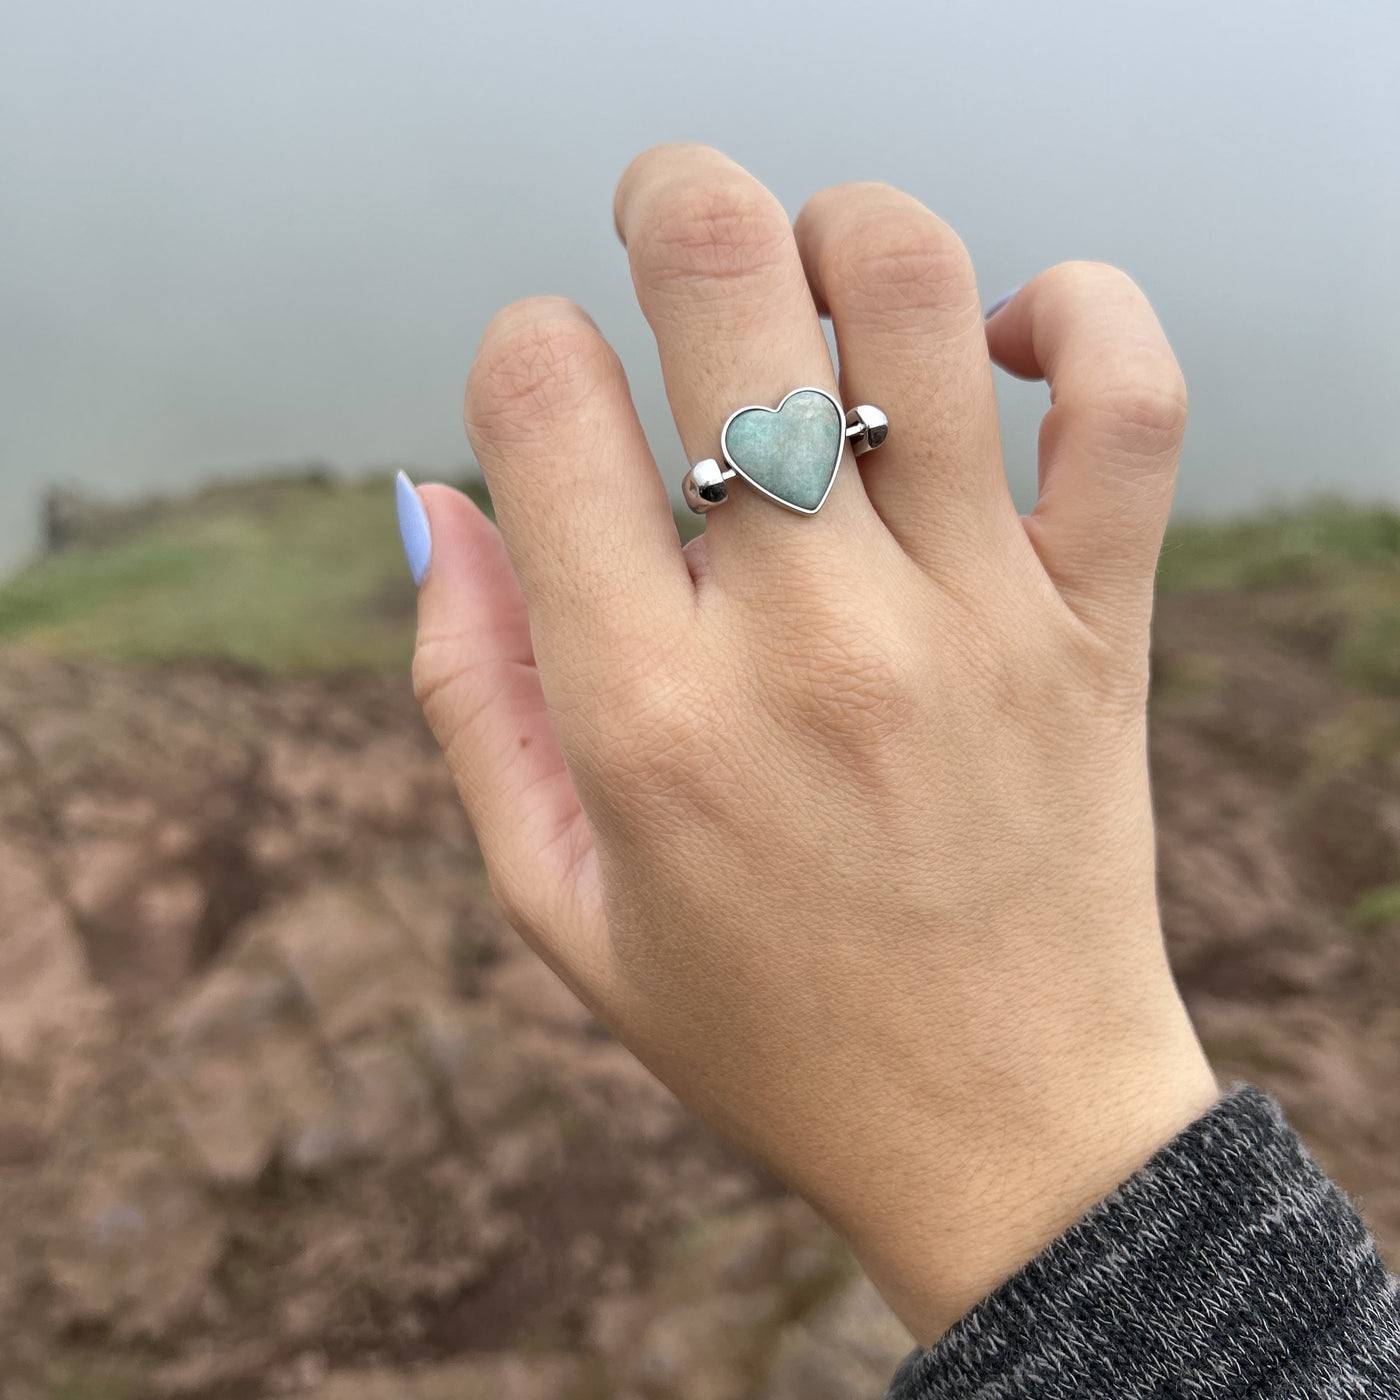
[(840, 822)]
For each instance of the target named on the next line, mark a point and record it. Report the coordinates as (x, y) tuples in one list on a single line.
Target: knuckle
[(1147, 409), (666, 761), (651, 747), (723, 228), (1029, 677), (850, 682), (446, 683), (430, 675), (646, 712), (534, 367), (912, 263), (1131, 379)]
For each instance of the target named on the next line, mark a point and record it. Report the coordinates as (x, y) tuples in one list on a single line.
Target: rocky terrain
[(285, 1108)]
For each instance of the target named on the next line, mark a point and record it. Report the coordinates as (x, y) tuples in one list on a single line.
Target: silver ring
[(789, 453)]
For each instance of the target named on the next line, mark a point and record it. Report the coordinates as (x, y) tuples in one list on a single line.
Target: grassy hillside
[(301, 575), (306, 575), (1332, 568)]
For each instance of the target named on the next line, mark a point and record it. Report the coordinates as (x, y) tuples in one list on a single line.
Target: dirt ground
[(286, 1109)]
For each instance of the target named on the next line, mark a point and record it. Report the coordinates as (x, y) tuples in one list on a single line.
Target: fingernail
[(414, 530), (998, 304)]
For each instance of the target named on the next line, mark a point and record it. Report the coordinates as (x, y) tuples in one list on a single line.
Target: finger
[(1110, 442), (719, 280), (900, 289), (585, 516), (474, 674)]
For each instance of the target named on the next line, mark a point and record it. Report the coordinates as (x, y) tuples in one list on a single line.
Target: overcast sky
[(259, 232)]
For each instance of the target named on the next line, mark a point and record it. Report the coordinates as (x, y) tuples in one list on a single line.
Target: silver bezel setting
[(836, 466)]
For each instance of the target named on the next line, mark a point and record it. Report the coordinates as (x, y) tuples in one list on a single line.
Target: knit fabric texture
[(1228, 1266)]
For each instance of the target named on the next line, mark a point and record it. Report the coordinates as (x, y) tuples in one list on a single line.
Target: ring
[(789, 453)]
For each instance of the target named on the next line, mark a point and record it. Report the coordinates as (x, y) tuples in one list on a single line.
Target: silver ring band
[(790, 453)]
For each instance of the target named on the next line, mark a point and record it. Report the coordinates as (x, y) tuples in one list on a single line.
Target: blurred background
[(284, 1108)]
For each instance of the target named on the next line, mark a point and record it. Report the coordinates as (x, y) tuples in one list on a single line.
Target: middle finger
[(720, 281)]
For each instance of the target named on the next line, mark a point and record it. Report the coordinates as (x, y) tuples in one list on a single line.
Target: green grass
[(1319, 543), (1377, 908), (302, 575), (92, 1378), (1370, 651), (1345, 559)]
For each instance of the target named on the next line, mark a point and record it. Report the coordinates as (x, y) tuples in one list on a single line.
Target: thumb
[(474, 674)]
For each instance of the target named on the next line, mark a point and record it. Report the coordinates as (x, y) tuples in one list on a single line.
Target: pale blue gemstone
[(792, 452)]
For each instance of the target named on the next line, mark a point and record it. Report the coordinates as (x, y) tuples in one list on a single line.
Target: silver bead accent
[(866, 428), (704, 487)]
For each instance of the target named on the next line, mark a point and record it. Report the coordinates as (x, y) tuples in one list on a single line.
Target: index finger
[(585, 516)]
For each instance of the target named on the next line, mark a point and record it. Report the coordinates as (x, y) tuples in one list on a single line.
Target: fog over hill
[(274, 232)]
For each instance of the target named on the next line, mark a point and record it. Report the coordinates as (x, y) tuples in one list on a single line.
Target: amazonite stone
[(791, 452)]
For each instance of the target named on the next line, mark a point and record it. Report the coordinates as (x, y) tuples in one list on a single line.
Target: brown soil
[(286, 1108)]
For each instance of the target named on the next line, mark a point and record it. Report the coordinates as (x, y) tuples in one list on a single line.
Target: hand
[(841, 823)]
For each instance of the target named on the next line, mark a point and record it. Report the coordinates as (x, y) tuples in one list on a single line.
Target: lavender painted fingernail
[(414, 530), (998, 304)]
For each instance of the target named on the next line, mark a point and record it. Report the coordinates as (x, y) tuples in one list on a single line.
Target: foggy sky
[(263, 232)]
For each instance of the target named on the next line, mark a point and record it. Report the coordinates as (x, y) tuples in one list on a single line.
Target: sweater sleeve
[(1228, 1266)]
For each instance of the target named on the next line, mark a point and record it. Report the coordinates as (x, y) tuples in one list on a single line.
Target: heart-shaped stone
[(790, 452)]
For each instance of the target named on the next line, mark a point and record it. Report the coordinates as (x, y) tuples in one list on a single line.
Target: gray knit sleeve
[(1228, 1266)]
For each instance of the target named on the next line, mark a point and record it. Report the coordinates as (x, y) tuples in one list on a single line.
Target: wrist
[(957, 1215)]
